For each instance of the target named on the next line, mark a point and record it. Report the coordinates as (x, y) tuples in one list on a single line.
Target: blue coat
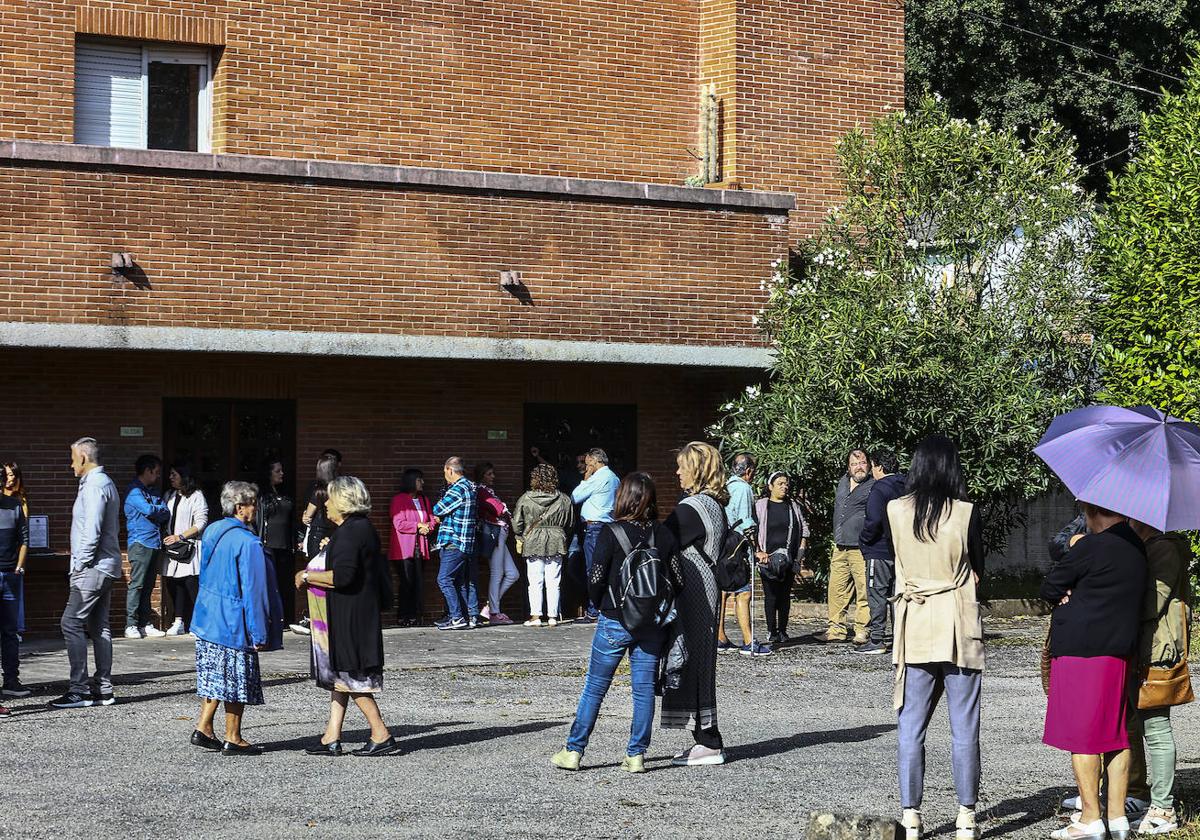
[(233, 606)]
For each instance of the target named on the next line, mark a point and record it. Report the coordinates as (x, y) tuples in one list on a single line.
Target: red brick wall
[(244, 254), (383, 414)]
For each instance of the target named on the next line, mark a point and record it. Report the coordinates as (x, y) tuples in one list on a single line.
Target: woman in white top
[(181, 545)]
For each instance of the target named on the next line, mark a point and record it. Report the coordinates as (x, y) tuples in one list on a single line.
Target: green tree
[(947, 295), (969, 52), (1148, 257)]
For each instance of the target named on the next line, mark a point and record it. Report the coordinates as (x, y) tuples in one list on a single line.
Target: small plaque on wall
[(133, 431), (39, 532), (497, 434)]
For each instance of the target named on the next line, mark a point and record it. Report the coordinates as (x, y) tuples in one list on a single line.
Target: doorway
[(227, 440), (559, 432)]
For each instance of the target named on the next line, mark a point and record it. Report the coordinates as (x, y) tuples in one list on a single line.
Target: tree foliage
[(1148, 256), (956, 48), (947, 295)]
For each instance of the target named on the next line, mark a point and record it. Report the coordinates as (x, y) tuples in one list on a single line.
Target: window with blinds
[(143, 96)]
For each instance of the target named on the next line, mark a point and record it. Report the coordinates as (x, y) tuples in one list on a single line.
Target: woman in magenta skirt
[(1097, 592)]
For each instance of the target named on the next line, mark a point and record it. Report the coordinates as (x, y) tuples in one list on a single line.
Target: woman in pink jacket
[(412, 524)]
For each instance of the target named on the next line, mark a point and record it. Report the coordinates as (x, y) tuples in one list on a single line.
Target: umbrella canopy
[(1138, 462)]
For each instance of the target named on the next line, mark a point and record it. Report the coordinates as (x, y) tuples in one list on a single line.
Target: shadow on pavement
[(474, 736), (777, 746), (355, 736), (42, 706)]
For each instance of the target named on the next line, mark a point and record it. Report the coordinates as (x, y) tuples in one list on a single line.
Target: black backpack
[(732, 568), (643, 593)]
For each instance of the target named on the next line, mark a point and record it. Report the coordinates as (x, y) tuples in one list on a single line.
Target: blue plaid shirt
[(456, 511)]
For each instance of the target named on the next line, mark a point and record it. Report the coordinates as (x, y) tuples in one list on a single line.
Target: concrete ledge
[(261, 166), (295, 342)]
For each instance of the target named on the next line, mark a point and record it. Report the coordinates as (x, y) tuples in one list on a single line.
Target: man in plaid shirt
[(457, 518)]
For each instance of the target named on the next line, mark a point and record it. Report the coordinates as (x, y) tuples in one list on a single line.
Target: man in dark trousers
[(876, 545)]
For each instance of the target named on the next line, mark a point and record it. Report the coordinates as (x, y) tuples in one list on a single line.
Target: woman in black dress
[(359, 589)]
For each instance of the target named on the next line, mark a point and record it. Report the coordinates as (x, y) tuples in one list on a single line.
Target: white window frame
[(174, 54)]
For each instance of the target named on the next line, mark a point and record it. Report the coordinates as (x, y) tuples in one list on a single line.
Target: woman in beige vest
[(938, 633)]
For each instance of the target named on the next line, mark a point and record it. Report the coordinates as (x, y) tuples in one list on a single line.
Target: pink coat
[(406, 542)]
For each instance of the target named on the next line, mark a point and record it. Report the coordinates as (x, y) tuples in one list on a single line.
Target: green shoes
[(634, 764), (566, 759)]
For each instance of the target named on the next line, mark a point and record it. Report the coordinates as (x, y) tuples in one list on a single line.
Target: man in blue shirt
[(876, 544), (739, 515), (457, 513), (597, 496), (145, 514)]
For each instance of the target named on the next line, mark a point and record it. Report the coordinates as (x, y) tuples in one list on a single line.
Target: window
[(143, 96)]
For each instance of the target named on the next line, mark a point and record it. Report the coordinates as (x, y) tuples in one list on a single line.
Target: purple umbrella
[(1138, 462)]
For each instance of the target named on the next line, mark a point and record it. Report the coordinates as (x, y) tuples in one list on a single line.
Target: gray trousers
[(143, 568), (881, 585), (924, 684), (87, 614)]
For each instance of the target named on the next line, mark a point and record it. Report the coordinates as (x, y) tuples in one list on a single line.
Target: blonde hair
[(349, 495), (703, 470)]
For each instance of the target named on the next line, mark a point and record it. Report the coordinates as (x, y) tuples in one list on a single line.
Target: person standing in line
[(938, 542), (14, 545), (496, 524), (95, 565), (275, 526), (847, 568), (181, 554), (782, 544), (457, 513), (358, 589), (14, 485), (542, 519), (698, 525), (739, 515), (636, 528), (1162, 643), (145, 516), (876, 546), (412, 524), (1097, 590), (231, 622), (596, 495), (315, 526)]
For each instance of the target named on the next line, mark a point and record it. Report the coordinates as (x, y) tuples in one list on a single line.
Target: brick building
[(404, 229)]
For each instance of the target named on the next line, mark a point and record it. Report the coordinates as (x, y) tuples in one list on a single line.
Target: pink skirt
[(1088, 705)]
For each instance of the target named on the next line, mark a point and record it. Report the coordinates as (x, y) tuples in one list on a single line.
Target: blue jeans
[(590, 536), (10, 617), (608, 649), (456, 579)]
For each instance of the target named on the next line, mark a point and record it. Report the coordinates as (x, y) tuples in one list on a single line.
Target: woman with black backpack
[(635, 577), (782, 542)]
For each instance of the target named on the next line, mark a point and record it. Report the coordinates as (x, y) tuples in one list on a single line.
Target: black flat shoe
[(332, 748), (237, 749), (199, 739), (371, 748)]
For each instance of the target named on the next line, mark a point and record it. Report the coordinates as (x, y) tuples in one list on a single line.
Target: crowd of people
[(907, 546)]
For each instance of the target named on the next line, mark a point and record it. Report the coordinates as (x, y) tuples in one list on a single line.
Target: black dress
[(362, 589)]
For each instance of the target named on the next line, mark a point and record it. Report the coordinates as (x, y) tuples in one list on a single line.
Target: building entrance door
[(560, 432), (225, 440)]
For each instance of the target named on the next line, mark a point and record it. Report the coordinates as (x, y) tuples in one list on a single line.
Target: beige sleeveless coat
[(937, 611)]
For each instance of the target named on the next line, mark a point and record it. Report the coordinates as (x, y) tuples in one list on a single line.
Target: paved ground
[(479, 714)]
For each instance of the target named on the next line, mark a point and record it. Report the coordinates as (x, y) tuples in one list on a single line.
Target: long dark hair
[(187, 479), (408, 480), (637, 499), (935, 480), (266, 486)]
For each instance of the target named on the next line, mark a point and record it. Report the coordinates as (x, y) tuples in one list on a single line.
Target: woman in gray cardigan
[(541, 521)]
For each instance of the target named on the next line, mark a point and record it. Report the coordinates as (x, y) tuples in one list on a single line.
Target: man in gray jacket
[(95, 564)]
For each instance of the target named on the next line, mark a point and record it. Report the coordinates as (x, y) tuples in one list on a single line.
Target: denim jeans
[(609, 644), (924, 685), (456, 579), (86, 616), (590, 536), (10, 610)]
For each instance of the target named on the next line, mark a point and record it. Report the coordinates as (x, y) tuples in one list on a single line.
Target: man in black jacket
[(876, 545)]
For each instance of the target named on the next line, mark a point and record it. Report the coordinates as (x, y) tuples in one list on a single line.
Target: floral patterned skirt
[(228, 674)]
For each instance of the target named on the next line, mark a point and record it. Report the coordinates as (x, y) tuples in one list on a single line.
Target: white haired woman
[(231, 621), (348, 661)]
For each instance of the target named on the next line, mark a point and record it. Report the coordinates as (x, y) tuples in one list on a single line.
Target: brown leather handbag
[(1163, 687)]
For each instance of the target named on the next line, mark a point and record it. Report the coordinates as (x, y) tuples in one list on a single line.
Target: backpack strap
[(621, 537)]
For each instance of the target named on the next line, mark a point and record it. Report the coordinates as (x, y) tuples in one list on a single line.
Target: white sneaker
[(965, 827), (151, 632), (133, 633), (699, 756), (1159, 821), (177, 629), (552, 622), (533, 622), (910, 821)]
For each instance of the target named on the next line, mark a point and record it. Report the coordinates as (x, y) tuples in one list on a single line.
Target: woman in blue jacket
[(231, 621)]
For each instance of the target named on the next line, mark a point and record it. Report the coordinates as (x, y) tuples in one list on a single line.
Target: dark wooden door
[(225, 440), (560, 432)]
